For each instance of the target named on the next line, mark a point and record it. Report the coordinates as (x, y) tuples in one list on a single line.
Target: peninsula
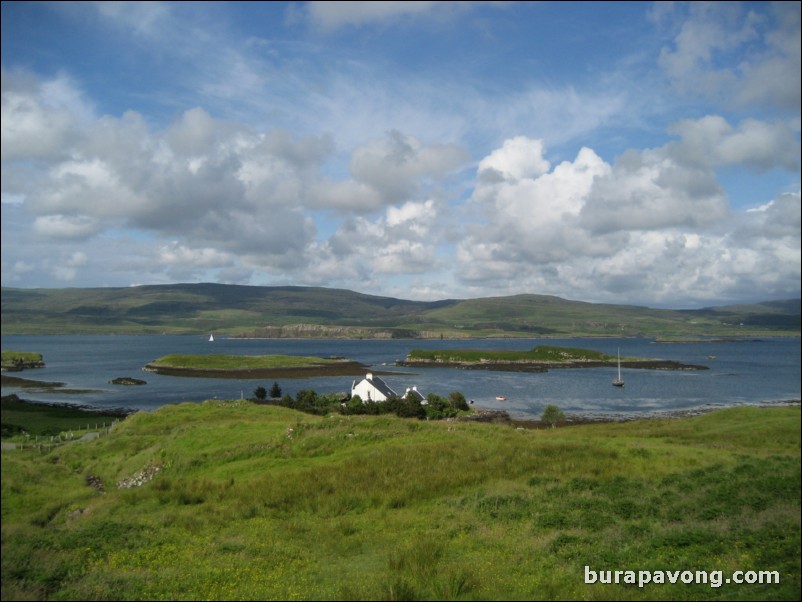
[(254, 366), (538, 359)]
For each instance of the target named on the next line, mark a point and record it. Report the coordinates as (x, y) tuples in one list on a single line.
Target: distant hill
[(296, 311)]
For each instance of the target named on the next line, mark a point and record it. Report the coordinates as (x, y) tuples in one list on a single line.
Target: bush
[(552, 415), (275, 391), (456, 401)]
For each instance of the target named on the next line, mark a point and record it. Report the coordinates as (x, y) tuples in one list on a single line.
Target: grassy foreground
[(230, 500)]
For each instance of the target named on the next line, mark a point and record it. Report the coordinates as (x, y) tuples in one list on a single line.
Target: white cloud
[(66, 227), (143, 18), (518, 158), (396, 166), (755, 144), (635, 230), (181, 255), (715, 31), (265, 153), (333, 15), (39, 120)]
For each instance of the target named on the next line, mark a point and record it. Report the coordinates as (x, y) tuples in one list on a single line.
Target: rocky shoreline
[(503, 417)]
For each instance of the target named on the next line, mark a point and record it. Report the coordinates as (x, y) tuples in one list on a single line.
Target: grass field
[(41, 420), (242, 501)]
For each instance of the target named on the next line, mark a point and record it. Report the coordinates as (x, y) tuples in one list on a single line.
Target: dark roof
[(381, 386)]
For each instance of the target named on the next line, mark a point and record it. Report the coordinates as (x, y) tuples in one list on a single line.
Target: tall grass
[(264, 503)]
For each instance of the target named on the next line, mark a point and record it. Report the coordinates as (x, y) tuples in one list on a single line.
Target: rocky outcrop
[(127, 380)]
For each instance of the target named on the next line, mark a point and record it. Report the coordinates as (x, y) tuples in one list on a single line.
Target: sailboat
[(211, 338), (618, 382)]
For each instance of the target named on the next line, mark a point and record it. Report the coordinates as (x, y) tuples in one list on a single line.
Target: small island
[(127, 380), (253, 366), (17, 361), (539, 359)]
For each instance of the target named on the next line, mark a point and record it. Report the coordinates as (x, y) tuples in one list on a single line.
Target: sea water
[(748, 371)]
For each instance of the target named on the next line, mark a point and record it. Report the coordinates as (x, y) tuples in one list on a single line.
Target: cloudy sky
[(624, 152)]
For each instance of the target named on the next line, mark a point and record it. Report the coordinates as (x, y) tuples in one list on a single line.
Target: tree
[(457, 401), (260, 393), (275, 391), (552, 415)]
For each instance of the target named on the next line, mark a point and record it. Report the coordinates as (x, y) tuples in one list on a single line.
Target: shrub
[(552, 415), (275, 391)]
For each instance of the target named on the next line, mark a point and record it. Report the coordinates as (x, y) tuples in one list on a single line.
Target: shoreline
[(486, 414), (619, 417), (118, 411), (539, 366)]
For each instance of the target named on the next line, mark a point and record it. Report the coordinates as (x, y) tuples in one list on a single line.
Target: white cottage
[(413, 391), (372, 388)]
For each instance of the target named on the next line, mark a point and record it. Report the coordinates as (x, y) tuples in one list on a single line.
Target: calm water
[(745, 372)]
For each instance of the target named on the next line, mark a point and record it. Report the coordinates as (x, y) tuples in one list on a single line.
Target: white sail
[(618, 382)]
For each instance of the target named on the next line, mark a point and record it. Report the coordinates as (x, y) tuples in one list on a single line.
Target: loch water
[(748, 371)]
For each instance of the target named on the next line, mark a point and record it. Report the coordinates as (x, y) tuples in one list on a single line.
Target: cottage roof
[(381, 386)]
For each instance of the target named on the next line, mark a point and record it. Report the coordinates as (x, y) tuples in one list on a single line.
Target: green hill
[(228, 500), (258, 311)]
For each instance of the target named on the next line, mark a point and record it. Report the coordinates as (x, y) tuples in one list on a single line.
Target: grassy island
[(540, 358), (253, 366), (13, 361)]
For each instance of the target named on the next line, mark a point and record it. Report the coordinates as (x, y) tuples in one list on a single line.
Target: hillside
[(229, 500), (258, 311)]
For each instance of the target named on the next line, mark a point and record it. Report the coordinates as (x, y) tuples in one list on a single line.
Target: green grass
[(239, 362), (10, 359), (22, 420), (264, 503)]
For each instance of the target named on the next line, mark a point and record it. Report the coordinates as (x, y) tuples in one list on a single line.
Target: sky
[(630, 153)]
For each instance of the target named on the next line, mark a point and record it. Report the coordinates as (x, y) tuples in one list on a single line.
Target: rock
[(127, 380)]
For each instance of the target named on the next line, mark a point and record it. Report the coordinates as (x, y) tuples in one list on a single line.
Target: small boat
[(211, 338), (500, 397), (618, 382)]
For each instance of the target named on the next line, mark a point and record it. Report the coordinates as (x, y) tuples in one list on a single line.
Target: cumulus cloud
[(66, 227), (713, 31), (39, 119), (646, 226), (755, 144), (396, 165), (295, 159)]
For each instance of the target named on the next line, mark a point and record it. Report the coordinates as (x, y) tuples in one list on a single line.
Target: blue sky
[(624, 152)]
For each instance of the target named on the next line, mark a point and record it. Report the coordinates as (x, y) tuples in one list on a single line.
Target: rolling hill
[(295, 311)]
